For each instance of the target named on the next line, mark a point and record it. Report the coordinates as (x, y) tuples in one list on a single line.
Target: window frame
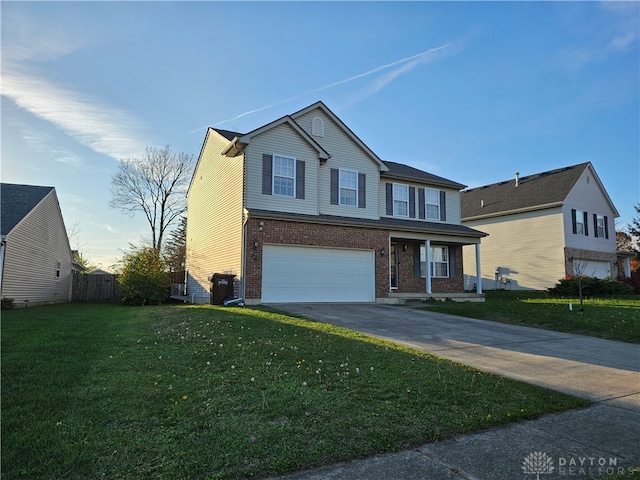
[(432, 263), (427, 204), (580, 226), (292, 178), (601, 231), (396, 200), (341, 187)]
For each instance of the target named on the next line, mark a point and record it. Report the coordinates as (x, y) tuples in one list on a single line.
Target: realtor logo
[(537, 463)]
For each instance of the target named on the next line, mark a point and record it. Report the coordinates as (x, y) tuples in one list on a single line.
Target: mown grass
[(611, 318), (203, 392)]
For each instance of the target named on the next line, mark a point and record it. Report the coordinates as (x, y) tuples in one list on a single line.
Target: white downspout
[(627, 267), (2, 247), (478, 271), (427, 269)]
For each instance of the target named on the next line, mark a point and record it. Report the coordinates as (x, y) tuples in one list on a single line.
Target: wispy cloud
[(104, 129), (94, 123), (402, 66)]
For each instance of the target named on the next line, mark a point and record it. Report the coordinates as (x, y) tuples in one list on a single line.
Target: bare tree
[(155, 185)]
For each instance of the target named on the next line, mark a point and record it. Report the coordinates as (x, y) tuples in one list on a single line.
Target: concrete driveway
[(600, 370)]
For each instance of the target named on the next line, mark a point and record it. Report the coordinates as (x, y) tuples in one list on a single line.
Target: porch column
[(478, 271), (427, 269), (627, 267)]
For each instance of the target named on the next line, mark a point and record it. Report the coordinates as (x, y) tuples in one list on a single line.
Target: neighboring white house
[(35, 257), (302, 210), (541, 228)]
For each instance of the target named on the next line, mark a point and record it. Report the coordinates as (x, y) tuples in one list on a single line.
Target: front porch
[(396, 298)]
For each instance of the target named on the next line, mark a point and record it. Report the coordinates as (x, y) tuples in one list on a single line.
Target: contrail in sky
[(415, 59)]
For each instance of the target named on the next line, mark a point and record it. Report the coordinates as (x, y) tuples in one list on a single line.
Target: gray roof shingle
[(17, 201), (405, 172), (533, 191)]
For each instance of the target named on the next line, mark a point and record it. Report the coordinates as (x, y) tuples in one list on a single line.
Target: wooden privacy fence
[(95, 288)]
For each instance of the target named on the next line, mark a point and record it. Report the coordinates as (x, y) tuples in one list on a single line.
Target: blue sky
[(469, 91)]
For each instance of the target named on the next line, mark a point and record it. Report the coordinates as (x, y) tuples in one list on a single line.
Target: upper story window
[(400, 200), (432, 203), (348, 188), (317, 127), (579, 222), (600, 226), (284, 175)]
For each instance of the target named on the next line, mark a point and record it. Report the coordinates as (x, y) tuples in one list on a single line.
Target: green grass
[(203, 392), (611, 318)]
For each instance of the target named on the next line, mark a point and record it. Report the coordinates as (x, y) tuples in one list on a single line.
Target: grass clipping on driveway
[(103, 391)]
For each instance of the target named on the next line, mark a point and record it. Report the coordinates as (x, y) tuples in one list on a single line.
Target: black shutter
[(412, 202), (443, 206), (334, 186), (574, 223), (452, 262), (362, 190), (421, 213), (267, 168), (300, 179), (389, 192), (595, 225), (606, 227), (416, 259)]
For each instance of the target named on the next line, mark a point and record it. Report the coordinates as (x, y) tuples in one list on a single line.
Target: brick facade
[(309, 234)]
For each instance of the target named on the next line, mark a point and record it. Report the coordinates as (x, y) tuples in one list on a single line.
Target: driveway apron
[(596, 369), (587, 443)]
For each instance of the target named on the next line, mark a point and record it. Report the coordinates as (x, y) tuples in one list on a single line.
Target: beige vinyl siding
[(452, 201), (33, 248), (214, 222), (345, 153), (281, 140), (587, 196), (527, 247)]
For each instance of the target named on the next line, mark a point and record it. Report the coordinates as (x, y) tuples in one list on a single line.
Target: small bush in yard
[(7, 303), (591, 287), (143, 280)]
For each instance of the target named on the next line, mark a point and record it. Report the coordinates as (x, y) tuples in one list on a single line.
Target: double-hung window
[(432, 203), (348, 187), (400, 200), (580, 222), (438, 261), (284, 175), (600, 228)]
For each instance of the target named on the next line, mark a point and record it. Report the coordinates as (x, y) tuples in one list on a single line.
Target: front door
[(393, 265)]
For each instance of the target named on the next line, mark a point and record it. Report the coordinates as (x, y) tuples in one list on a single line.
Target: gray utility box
[(221, 287)]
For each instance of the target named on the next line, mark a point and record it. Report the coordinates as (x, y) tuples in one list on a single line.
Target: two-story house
[(301, 210), (542, 228)]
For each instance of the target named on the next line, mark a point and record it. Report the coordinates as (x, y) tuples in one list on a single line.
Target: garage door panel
[(314, 274)]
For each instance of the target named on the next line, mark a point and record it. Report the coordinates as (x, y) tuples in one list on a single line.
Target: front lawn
[(186, 392), (611, 318)]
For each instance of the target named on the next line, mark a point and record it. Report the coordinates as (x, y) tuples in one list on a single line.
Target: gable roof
[(238, 142), (320, 105), (405, 172), (17, 201), (533, 192)]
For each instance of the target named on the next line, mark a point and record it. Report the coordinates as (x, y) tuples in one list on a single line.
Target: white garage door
[(314, 274), (593, 268)]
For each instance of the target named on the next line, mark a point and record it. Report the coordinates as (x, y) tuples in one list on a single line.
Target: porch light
[(382, 252), (405, 247), (260, 225)]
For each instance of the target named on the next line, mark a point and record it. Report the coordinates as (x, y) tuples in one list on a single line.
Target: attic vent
[(317, 127)]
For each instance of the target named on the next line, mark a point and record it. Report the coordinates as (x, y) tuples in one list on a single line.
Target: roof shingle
[(17, 201)]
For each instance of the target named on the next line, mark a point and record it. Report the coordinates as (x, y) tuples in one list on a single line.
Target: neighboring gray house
[(541, 228), (35, 257), (301, 210)]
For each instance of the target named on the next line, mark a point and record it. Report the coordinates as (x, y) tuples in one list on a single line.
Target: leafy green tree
[(175, 249), (144, 279)]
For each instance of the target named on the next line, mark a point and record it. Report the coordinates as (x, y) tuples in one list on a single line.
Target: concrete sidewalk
[(585, 443)]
